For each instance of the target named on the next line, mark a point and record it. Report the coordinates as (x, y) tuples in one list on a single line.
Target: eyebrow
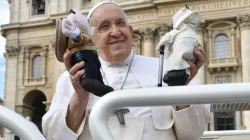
[(105, 21)]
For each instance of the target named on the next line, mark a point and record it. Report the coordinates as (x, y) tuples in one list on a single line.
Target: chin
[(119, 53)]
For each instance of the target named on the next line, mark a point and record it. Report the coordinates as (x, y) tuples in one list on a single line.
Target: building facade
[(32, 69), (1, 129)]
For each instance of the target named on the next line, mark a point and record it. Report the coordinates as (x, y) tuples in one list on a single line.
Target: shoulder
[(146, 59)]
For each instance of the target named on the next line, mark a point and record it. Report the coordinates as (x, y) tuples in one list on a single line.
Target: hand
[(200, 55), (82, 23), (163, 41), (79, 100), (69, 27), (75, 72)]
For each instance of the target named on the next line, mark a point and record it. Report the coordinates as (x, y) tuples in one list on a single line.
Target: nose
[(115, 31)]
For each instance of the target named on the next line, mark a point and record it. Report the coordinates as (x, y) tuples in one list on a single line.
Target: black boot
[(176, 78), (92, 80)]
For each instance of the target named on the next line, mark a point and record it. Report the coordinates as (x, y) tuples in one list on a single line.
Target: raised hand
[(69, 27), (82, 23)]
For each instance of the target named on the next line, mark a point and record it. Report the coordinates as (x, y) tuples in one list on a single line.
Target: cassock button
[(120, 78)]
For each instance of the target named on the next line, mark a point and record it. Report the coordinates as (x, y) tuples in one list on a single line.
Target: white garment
[(180, 42), (179, 46), (161, 123)]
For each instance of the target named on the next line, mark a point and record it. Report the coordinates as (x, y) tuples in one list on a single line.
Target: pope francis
[(121, 68)]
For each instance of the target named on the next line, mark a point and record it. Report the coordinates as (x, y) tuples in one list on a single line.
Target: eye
[(120, 23), (103, 27)]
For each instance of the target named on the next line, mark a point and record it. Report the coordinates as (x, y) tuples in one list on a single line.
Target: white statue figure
[(179, 45)]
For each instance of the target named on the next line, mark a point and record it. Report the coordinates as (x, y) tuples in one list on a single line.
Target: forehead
[(108, 12)]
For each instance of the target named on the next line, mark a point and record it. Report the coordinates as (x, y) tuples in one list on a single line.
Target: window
[(38, 7), (37, 67), (223, 79), (224, 120), (221, 46)]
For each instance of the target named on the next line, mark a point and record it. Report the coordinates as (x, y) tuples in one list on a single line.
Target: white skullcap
[(98, 5), (183, 14)]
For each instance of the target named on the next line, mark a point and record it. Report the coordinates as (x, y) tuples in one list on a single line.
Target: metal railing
[(204, 94), (226, 133), (185, 95), (19, 125)]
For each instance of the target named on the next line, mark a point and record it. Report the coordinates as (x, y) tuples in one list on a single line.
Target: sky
[(4, 19)]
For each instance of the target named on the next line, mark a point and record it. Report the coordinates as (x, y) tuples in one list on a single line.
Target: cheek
[(100, 40), (127, 34)]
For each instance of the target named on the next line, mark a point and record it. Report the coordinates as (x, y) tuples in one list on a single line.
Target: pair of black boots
[(176, 77), (92, 80)]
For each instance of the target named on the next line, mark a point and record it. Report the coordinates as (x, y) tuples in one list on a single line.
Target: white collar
[(127, 61)]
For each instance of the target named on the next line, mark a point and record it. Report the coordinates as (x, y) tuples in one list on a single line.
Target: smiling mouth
[(121, 41)]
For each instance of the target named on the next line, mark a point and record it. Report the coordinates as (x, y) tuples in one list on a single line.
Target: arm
[(66, 117), (190, 123), (58, 122)]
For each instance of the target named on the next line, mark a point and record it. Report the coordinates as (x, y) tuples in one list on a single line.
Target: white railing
[(185, 95), (19, 125), (226, 133), (205, 94)]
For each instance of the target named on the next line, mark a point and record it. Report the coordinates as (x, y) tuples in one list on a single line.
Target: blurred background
[(29, 69)]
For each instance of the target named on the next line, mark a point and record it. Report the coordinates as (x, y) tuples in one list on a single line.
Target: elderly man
[(67, 118)]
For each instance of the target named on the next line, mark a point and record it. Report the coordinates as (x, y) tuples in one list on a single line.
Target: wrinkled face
[(112, 34)]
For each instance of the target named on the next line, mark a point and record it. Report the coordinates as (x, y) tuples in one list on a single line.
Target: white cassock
[(142, 123)]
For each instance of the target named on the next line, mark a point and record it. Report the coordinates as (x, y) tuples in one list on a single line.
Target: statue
[(179, 45), (78, 40)]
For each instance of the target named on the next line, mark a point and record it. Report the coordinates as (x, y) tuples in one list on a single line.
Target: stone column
[(199, 79), (162, 30), (11, 81), (246, 120), (148, 41), (210, 44), (244, 22), (238, 120), (44, 61), (233, 33), (27, 61), (211, 122), (137, 43)]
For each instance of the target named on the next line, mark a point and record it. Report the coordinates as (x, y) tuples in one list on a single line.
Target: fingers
[(200, 48), (76, 68), (200, 57), (193, 71), (67, 27), (77, 76), (67, 59), (75, 80)]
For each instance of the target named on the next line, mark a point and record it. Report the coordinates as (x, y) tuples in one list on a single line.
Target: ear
[(131, 30)]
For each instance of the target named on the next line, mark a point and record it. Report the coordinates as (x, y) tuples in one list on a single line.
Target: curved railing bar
[(185, 95), (19, 125)]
